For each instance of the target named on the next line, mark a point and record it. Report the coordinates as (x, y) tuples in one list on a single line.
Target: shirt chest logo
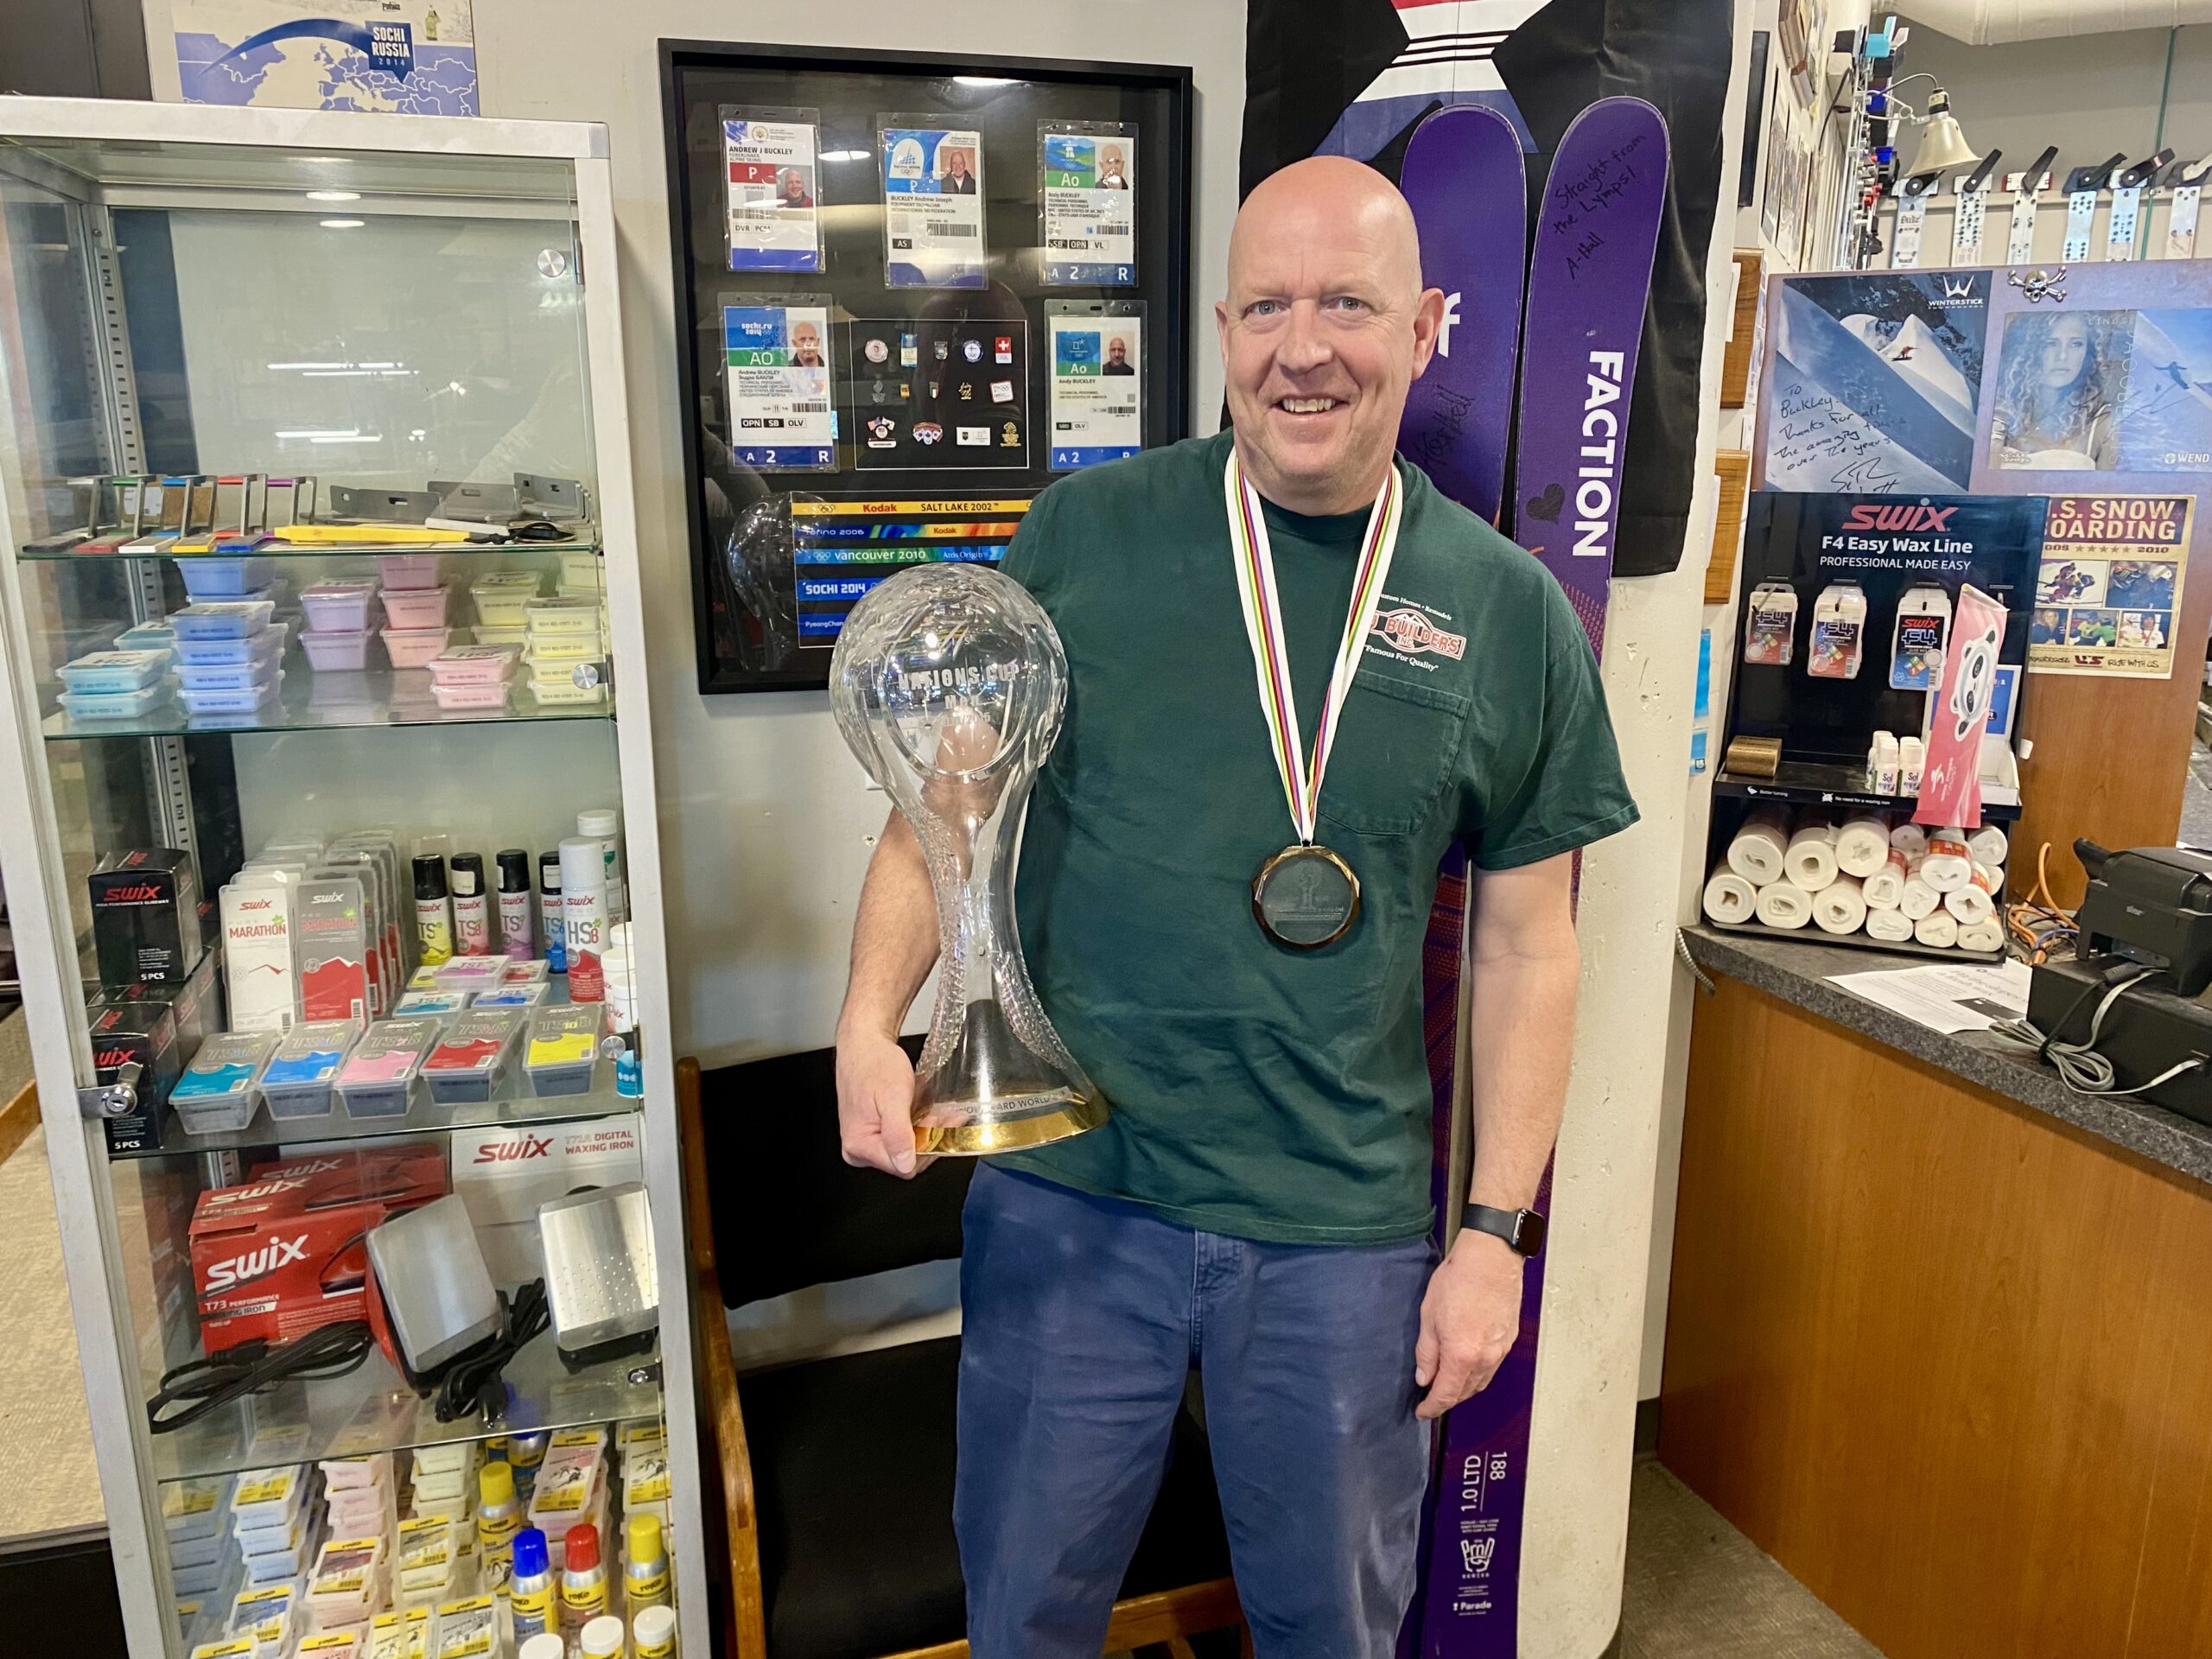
[(1408, 631)]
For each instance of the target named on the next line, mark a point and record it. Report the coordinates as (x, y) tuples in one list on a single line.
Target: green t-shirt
[(1258, 1091)]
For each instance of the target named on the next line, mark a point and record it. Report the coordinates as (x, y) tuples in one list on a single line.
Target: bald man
[(1234, 957)]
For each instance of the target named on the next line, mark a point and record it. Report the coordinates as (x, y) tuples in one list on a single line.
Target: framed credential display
[(912, 292)]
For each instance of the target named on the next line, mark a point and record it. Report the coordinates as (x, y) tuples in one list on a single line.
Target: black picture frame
[(1005, 96)]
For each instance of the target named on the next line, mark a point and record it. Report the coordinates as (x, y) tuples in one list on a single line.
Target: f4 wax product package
[(1771, 624), (282, 1253), (1916, 647), (145, 917), (1838, 632), (260, 968)]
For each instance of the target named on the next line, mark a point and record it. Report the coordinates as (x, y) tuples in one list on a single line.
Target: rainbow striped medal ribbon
[(1305, 896)]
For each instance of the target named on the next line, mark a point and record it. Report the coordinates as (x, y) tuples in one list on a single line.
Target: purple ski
[(1463, 176), (1589, 278)]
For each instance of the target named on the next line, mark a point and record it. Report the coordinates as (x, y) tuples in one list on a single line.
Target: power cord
[(197, 1387), (2079, 1065), (474, 1383)]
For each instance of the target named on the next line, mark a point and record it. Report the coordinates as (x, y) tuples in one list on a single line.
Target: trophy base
[(971, 1136)]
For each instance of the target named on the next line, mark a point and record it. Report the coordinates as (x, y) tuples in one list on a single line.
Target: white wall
[(767, 823)]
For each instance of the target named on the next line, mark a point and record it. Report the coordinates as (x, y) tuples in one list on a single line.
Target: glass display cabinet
[(327, 820)]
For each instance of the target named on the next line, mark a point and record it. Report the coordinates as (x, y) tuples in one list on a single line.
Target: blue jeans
[(1081, 1319)]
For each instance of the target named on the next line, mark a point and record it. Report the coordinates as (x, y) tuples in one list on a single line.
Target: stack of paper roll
[(1814, 874)]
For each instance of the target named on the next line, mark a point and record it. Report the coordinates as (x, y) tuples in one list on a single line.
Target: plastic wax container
[(101, 671), (565, 690), (147, 636), (267, 1498), (431, 1004), (379, 1075), (462, 699), (295, 1082), (216, 1091), (581, 567), (232, 700), (563, 649), (408, 570), (232, 619), (512, 996), (502, 597), (207, 577), (564, 1048), (117, 705), (516, 635), (338, 606), (413, 647), (474, 1057), (473, 665), (416, 607), (331, 652), (547, 617), (228, 677), (536, 971), (266, 645)]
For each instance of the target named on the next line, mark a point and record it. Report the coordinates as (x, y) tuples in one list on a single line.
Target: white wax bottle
[(1838, 632), (583, 915)]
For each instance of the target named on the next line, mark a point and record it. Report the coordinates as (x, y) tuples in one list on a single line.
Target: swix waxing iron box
[(283, 1252), (145, 916)]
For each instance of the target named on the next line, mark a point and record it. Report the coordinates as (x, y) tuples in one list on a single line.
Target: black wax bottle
[(433, 910)]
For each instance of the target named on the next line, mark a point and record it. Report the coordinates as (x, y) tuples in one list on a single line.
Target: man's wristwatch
[(1523, 1229)]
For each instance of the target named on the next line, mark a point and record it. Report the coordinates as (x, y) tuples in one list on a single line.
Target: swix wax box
[(330, 937), (504, 1173), (260, 961), (283, 1253), (145, 916), (144, 1033)]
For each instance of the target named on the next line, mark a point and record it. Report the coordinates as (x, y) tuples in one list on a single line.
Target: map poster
[(932, 207), (775, 216), (1088, 189), (780, 416), (2109, 590), (1097, 409), (406, 57)]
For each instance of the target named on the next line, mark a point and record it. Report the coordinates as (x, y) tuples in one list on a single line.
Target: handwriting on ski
[(1448, 410), (1574, 203)]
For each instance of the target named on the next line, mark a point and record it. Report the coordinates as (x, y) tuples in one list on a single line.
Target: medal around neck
[(950, 683), (1305, 896)]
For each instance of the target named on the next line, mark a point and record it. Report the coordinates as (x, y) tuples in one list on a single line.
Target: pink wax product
[(416, 607), (473, 974), (470, 699), (406, 570), (338, 606), (335, 652), (413, 647), (473, 665)]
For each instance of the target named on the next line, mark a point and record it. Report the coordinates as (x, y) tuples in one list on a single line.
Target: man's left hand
[(1468, 1321)]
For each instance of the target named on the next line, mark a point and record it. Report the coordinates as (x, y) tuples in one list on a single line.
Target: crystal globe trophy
[(948, 683)]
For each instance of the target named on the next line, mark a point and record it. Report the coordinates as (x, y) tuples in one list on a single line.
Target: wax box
[(504, 1174), (282, 1253), (260, 965), (145, 916), (144, 1033), (331, 931)]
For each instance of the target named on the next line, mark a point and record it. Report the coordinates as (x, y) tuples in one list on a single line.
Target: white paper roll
[(1729, 899), (1908, 838), (1839, 907), (1938, 928), (1782, 904), (1982, 935), (1810, 865), (1861, 846), (1882, 889), (1890, 926), (1756, 854), (1948, 866), (1918, 898), (1988, 845), (1970, 906)]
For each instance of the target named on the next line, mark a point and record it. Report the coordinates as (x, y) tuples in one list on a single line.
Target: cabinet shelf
[(327, 701), (316, 550), (426, 1119), (373, 1409)]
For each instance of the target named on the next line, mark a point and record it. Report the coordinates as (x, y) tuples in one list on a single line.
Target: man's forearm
[(894, 934), (1520, 1035)]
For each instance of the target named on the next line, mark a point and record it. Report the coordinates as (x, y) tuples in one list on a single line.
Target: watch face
[(1528, 1232)]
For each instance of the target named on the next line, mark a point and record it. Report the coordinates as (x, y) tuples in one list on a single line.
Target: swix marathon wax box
[(282, 1253), (145, 916)]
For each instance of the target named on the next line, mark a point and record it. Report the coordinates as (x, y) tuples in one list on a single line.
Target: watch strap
[(1521, 1230)]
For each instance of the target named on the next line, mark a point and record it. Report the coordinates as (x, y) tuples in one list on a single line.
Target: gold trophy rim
[(1011, 1135)]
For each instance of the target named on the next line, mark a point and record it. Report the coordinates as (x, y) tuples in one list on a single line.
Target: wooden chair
[(833, 1537)]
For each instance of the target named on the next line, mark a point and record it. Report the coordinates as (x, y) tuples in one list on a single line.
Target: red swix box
[(282, 1252)]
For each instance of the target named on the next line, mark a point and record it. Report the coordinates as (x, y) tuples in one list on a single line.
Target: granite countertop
[(1797, 972)]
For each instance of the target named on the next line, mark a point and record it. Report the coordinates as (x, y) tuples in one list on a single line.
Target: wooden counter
[(1945, 1355)]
